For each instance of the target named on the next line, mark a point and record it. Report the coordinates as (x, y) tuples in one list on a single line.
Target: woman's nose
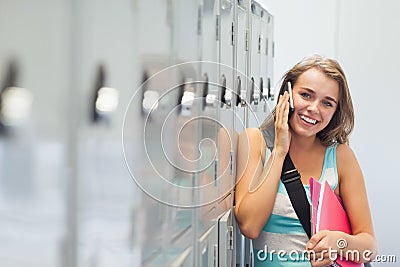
[(313, 106)]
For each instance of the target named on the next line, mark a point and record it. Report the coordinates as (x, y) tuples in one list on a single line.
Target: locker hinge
[(231, 162), (266, 47), (273, 49), (199, 20), (259, 43), (217, 28), (215, 256), (233, 34), (170, 14), (247, 40), (230, 238), (215, 171)]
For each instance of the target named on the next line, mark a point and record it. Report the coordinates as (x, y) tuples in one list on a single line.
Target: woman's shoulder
[(345, 158), (344, 152), (252, 132), (252, 136), (253, 140)]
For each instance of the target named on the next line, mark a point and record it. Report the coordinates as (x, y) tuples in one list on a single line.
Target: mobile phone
[(288, 88)]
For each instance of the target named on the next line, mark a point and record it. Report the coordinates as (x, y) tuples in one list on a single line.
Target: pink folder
[(328, 214)]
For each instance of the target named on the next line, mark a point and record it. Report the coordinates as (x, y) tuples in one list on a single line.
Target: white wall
[(365, 37), (368, 43)]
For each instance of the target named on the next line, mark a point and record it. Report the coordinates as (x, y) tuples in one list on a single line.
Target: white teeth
[(308, 119)]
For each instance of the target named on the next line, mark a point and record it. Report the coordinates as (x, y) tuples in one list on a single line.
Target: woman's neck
[(304, 144)]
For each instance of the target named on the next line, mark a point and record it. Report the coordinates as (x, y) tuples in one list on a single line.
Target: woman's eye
[(327, 103), (305, 95)]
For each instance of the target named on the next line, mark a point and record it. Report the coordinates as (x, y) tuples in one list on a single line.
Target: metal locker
[(270, 48), (241, 81), (34, 80), (228, 114), (166, 191), (186, 30), (207, 247), (104, 81), (228, 54), (254, 91), (226, 239), (208, 116), (265, 81), (153, 114)]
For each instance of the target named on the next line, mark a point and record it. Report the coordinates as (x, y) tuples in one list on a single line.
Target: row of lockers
[(178, 80)]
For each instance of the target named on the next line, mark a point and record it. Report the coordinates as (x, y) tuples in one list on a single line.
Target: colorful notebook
[(328, 214)]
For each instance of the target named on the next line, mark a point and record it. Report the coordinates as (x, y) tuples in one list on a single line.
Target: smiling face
[(315, 97)]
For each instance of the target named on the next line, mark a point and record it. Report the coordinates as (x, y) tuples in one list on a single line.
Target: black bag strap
[(291, 179)]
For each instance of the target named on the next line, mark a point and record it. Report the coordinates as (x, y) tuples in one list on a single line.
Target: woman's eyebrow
[(331, 99), (313, 92)]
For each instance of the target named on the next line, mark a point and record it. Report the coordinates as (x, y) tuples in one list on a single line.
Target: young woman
[(316, 138)]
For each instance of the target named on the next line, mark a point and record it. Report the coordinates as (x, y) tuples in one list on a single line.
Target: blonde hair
[(342, 122)]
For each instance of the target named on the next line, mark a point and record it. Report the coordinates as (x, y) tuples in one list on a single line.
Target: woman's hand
[(324, 247), (282, 133)]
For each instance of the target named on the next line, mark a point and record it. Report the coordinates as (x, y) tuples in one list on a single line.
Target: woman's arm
[(354, 195), (253, 207)]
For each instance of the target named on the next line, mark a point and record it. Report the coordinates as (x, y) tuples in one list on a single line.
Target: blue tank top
[(282, 240)]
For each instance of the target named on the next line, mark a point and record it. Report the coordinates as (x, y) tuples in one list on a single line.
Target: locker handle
[(150, 98), (243, 96), (254, 93), (262, 89), (15, 102), (271, 95), (105, 100), (223, 96), (187, 97), (238, 89), (205, 89), (209, 100)]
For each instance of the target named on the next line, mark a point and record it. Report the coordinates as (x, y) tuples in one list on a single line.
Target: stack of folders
[(328, 214)]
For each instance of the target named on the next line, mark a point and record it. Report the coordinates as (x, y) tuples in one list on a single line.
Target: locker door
[(270, 47), (228, 114), (34, 80), (267, 57), (255, 51), (153, 163), (104, 80), (228, 53), (265, 78), (170, 133), (241, 81)]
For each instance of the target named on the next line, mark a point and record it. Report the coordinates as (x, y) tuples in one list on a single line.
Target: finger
[(283, 109), (277, 108), (315, 239)]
